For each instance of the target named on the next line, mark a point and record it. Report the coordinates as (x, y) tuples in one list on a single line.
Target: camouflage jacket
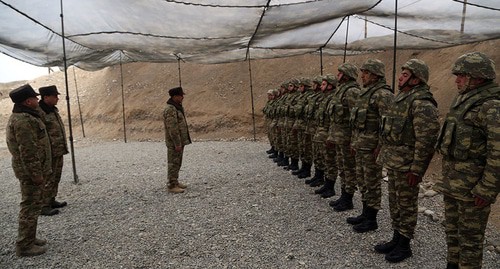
[(176, 128), (322, 118), (55, 129), (344, 98), (268, 109), (29, 144), (313, 101), (299, 110), (366, 114), (409, 131), (470, 144)]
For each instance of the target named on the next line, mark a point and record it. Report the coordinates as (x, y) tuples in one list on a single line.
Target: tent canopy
[(100, 33)]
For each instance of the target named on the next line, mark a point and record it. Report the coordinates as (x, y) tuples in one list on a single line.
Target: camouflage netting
[(102, 33)]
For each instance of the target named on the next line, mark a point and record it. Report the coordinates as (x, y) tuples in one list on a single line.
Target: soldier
[(29, 144), (291, 139), (310, 128), (374, 99), (470, 144), (279, 122), (268, 119), (321, 160), (176, 137), (340, 133), (409, 130), (59, 147)]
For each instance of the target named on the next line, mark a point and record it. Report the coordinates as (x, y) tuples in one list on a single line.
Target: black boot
[(48, 211), (316, 175), (451, 266), (294, 165), (306, 170), (358, 219), (388, 246), (330, 190), (370, 222), (270, 151), (328, 184), (345, 204), (320, 180), (401, 252), (341, 198), (55, 204), (273, 155), (284, 161), (279, 157)]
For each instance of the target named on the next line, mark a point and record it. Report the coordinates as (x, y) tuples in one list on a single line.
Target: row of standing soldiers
[(351, 132)]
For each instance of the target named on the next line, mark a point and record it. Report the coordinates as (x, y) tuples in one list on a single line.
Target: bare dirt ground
[(219, 97)]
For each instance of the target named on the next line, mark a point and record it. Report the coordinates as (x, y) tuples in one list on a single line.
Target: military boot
[(297, 172), (284, 161), (340, 199), (30, 251), (330, 190), (316, 175), (358, 219), (40, 242), (182, 186), (48, 211), (401, 252), (294, 165), (173, 187), (369, 223), (279, 157), (270, 151), (306, 172), (320, 180), (273, 155), (387, 247), (56, 204), (451, 266), (344, 204)]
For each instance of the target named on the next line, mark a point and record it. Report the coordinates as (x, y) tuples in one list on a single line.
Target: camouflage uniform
[(59, 147), (267, 111), (409, 131), (340, 133), (29, 144), (366, 114), (470, 144), (291, 139), (278, 122), (176, 134), (299, 125)]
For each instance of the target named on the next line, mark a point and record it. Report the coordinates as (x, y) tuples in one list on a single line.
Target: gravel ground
[(240, 211)]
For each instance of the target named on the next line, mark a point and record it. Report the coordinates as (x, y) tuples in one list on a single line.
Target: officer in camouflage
[(176, 137), (340, 133), (59, 147), (29, 144), (470, 144), (409, 131), (374, 99)]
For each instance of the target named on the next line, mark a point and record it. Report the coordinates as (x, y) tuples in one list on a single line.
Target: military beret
[(48, 90), (176, 91), (22, 93)]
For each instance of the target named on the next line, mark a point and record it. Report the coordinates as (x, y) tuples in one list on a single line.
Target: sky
[(13, 70)]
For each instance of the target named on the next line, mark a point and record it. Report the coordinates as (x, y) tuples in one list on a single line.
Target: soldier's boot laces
[(387, 247), (370, 222), (48, 211), (401, 252), (33, 250), (358, 219), (344, 204)]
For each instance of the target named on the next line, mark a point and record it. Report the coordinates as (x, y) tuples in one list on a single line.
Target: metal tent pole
[(251, 95), (321, 61), (464, 11), (123, 101), (395, 46), (346, 36), (179, 68), (75, 176), (78, 102)]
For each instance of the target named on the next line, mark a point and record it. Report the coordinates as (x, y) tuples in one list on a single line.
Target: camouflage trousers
[(403, 203), (319, 155), (465, 226), (292, 145), (52, 182), (269, 132), (174, 163), (277, 138), (369, 176), (31, 204), (331, 167), (347, 167), (306, 147)]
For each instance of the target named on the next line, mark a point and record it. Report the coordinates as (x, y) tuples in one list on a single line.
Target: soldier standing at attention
[(29, 144), (59, 147), (176, 137), (340, 131), (299, 125), (374, 99), (408, 133), (268, 119), (470, 144)]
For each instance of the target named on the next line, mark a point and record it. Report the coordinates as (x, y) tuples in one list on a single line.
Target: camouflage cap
[(349, 70), (374, 66), (476, 65), (270, 92), (284, 84), (331, 79), (276, 92), (295, 82), (418, 68), (317, 79), (306, 82)]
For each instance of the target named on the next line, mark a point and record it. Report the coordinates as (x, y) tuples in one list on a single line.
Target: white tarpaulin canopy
[(100, 33)]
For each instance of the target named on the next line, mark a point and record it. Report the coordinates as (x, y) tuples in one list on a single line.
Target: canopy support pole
[(464, 11), (75, 176), (251, 96), (395, 46), (123, 101), (346, 36), (179, 68), (321, 61), (78, 102)]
